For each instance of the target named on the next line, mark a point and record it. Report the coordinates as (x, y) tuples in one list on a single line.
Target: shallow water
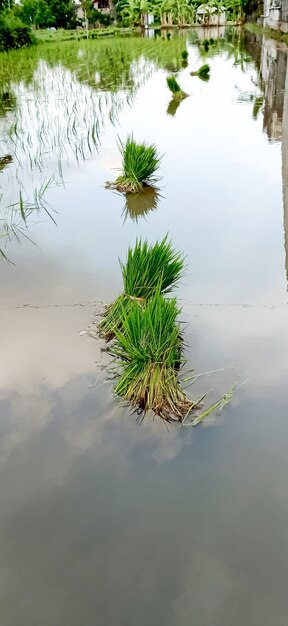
[(103, 521)]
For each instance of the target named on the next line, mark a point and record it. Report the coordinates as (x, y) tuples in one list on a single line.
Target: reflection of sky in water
[(106, 522), (220, 178)]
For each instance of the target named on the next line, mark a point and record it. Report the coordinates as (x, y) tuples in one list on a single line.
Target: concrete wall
[(276, 15)]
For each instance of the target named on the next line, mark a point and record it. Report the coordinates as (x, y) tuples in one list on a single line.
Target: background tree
[(46, 13), (6, 4)]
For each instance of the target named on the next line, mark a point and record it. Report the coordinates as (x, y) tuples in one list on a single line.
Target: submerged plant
[(203, 72), (175, 88), (147, 269), (140, 162), (147, 352)]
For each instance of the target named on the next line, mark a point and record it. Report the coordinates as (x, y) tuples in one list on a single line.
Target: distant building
[(100, 5)]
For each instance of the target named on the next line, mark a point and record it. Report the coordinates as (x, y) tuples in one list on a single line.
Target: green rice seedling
[(175, 88), (205, 43), (203, 72), (219, 405), (140, 162), (145, 268), (184, 55), (172, 84), (147, 352)]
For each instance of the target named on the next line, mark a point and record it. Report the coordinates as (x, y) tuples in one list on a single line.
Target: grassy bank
[(267, 32), (46, 36)]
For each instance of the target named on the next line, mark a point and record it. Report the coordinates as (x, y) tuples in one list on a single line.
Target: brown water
[(103, 521)]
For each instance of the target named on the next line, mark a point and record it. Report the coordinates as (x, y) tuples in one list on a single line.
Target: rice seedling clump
[(147, 353), (175, 88), (203, 72), (146, 268), (139, 162)]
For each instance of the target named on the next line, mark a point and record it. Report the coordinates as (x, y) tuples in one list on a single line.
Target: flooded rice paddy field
[(103, 521)]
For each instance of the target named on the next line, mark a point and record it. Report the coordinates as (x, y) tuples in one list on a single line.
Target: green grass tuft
[(175, 88), (146, 268), (140, 162), (203, 72), (172, 84), (184, 55), (147, 352)]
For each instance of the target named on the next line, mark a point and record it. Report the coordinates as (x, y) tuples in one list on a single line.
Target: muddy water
[(102, 521)]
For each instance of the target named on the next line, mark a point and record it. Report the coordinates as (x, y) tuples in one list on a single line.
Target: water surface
[(103, 521)]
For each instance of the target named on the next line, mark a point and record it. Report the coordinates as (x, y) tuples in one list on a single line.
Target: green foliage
[(13, 33), (146, 266), (93, 15), (7, 101), (203, 72), (184, 54), (36, 12), (145, 269), (140, 162), (175, 88), (148, 350), (6, 4), (47, 13), (172, 84), (100, 18)]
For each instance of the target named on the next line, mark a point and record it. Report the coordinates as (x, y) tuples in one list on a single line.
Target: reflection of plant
[(258, 103), (173, 106), (14, 219), (140, 203), (7, 101), (146, 266)]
